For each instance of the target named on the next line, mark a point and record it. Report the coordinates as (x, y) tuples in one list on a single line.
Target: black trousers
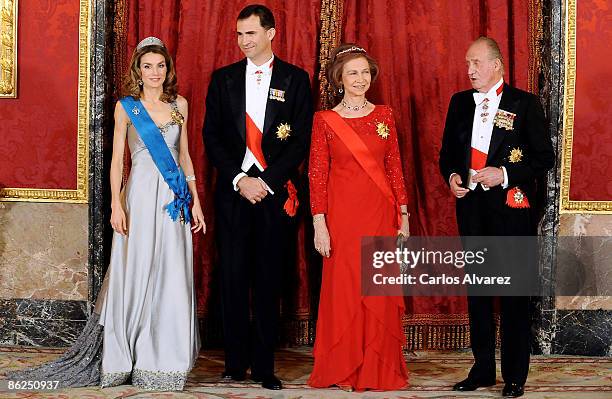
[(251, 241), (479, 214)]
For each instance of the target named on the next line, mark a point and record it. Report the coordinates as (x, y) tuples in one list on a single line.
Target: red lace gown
[(359, 339)]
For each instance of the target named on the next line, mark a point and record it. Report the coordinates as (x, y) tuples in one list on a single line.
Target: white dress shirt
[(482, 128), (257, 87)]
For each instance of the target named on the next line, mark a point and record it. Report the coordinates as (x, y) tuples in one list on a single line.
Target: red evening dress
[(359, 338)]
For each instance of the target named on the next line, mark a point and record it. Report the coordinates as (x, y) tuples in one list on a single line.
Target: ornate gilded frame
[(332, 12), (80, 194), (8, 48), (566, 204)]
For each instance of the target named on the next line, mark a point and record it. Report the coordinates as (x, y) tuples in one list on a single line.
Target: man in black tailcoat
[(256, 133), (494, 147)]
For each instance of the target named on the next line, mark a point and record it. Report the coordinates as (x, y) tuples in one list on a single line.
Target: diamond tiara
[(353, 49), (150, 41)]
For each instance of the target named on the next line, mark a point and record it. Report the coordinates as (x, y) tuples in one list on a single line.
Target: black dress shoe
[(268, 382), (234, 375), (471, 384), (512, 390)]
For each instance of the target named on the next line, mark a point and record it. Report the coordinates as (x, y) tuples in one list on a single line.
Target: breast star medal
[(382, 129), (135, 110), (504, 119), (177, 117), (283, 131), (516, 155)]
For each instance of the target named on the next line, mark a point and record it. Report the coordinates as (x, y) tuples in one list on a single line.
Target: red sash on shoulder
[(362, 154)]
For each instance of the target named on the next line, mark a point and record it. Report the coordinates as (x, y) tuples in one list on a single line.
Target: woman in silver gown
[(144, 324)]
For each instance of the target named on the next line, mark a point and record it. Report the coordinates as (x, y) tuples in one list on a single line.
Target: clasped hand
[(488, 177), (253, 189)]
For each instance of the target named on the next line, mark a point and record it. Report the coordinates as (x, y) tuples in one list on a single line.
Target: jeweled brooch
[(283, 131), (177, 117), (135, 110), (382, 129)]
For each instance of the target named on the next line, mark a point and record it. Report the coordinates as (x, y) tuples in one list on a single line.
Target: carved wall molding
[(8, 48), (81, 193), (568, 205)]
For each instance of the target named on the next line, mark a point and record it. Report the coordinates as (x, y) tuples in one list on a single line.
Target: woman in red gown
[(357, 189)]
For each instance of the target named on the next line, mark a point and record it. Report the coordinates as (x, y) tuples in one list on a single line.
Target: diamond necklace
[(356, 107)]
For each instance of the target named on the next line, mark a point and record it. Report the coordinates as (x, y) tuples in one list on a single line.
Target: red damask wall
[(591, 175), (39, 128)]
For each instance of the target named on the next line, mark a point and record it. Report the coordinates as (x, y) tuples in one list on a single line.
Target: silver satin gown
[(149, 315), (144, 323)]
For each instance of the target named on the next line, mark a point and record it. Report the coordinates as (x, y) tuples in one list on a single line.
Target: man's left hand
[(252, 188), (489, 176)]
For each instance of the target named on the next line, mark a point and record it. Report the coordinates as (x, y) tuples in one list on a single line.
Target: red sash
[(362, 155), (253, 139), (479, 159)]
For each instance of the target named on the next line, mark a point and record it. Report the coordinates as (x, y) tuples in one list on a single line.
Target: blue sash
[(173, 175)]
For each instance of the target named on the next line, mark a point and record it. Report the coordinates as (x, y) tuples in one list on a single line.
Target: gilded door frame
[(568, 205), (8, 48), (81, 193)]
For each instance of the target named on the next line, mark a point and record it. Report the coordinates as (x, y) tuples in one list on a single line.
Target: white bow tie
[(480, 97), (253, 69), (258, 71)]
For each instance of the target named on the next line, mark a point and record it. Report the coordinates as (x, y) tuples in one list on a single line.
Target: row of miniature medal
[(503, 119)]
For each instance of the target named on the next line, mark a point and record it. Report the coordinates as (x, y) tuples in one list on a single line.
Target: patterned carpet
[(432, 376)]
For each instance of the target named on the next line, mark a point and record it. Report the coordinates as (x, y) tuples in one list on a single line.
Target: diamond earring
[(341, 90), (140, 82)]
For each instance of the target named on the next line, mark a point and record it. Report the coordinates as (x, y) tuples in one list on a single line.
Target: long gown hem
[(336, 341), (326, 357), (329, 380)]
